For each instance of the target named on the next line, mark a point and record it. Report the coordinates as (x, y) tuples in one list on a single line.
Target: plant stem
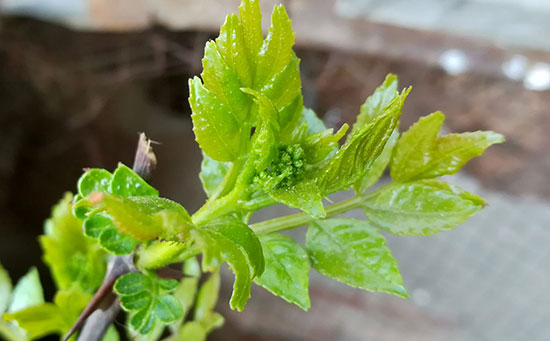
[(300, 219)]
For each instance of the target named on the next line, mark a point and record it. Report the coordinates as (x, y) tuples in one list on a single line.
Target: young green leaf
[(423, 207), (378, 166), (132, 283), (207, 296), (127, 183), (376, 103), (212, 173), (146, 217), (145, 297), (211, 320), (304, 195), (191, 331), (286, 271), (264, 141), (39, 320), (5, 289), (241, 58), (356, 156), (94, 180), (95, 224), (168, 309), (276, 50), (234, 242), (186, 292), (323, 144), (420, 154), (27, 292), (354, 252), (143, 321), (48, 318), (216, 129), (73, 259), (117, 243)]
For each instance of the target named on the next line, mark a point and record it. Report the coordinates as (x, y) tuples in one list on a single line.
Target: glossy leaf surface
[(420, 154), (286, 271), (421, 207), (362, 147), (354, 252), (232, 241)]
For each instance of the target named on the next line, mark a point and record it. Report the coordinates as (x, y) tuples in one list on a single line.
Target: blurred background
[(79, 79)]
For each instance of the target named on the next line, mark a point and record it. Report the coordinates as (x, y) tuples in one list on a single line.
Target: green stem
[(300, 219), (216, 208), (229, 180)]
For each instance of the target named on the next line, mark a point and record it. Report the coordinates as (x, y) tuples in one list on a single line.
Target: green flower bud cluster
[(284, 171)]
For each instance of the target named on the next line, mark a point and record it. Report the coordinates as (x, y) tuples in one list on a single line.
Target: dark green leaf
[(168, 309), (422, 207), (127, 183), (354, 252), (132, 283), (286, 271), (97, 223), (167, 284), (137, 301), (143, 321), (116, 242), (94, 180)]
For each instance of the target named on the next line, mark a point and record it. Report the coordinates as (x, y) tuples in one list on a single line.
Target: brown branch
[(104, 307)]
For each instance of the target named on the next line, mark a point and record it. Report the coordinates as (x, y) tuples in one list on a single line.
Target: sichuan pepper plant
[(260, 147)]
